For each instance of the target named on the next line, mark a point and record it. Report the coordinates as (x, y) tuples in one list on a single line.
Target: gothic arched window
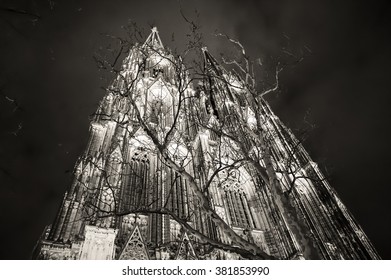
[(137, 176), (156, 110), (238, 209), (159, 113), (178, 194)]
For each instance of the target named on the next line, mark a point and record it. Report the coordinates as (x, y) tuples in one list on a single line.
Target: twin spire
[(153, 41)]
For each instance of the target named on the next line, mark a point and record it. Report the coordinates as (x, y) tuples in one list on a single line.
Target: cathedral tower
[(177, 171)]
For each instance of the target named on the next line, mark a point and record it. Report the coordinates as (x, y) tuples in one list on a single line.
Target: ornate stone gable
[(186, 250), (135, 248)]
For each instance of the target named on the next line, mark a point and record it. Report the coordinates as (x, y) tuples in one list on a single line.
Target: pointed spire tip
[(153, 40)]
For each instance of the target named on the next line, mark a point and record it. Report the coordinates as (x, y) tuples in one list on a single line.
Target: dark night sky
[(48, 70)]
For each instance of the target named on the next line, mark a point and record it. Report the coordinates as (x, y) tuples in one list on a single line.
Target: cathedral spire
[(209, 61), (153, 41), (217, 76)]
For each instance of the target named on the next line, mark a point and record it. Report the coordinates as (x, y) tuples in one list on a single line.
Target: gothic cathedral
[(179, 167)]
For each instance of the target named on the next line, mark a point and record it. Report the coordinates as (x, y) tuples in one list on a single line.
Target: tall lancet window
[(179, 195), (137, 177), (160, 114), (156, 111), (236, 204)]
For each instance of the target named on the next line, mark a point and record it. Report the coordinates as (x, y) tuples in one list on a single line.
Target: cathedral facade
[(178, 167)]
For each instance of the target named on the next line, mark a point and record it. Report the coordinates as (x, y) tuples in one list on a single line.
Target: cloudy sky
[(50, 85)]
